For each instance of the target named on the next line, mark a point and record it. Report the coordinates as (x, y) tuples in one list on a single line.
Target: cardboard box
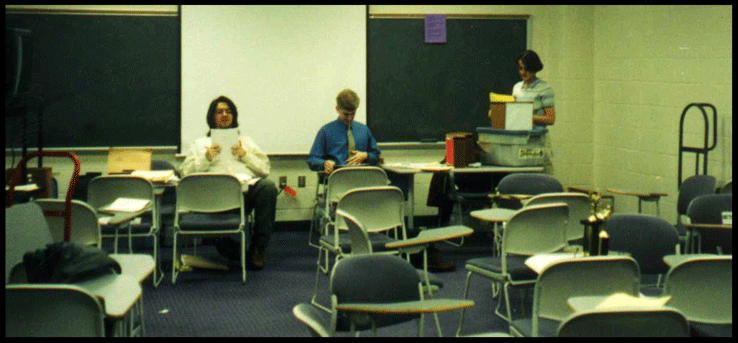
[(125, 160), (512, 115), (460, 149)]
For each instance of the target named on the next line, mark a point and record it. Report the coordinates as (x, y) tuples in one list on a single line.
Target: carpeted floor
[(209, 303)]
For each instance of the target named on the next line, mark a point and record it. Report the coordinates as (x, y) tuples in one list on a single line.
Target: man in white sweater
[(243, 158)]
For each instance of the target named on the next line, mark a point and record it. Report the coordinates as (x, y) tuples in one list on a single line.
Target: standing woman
[(531, 88), (205, 156)]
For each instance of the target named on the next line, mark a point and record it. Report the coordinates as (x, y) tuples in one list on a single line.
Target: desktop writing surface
[(419, 91), (98, 80)]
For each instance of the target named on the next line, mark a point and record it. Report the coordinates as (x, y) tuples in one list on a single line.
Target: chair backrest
[(582, 276), (377, 279), (103, 190), (727, 187), (626, 322), (347, 178), (693, 187), (647, 238), (702, 289), (208, 192), (536, 229), (377, 208), (25, 231), (579, 208), (85, 227), (46, 310), (526, 183), (360, 243), (707, 208)]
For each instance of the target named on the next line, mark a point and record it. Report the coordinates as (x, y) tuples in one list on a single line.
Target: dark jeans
[(262, 198), (439, 190)]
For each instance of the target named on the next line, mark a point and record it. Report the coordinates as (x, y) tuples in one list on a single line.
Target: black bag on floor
[(65, 262)]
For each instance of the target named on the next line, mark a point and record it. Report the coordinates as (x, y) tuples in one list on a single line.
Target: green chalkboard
[(419, 91), (99, 80)]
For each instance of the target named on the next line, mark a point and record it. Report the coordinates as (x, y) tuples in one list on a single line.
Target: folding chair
[(531, 230), (625, 322), (373, 291), (576, 276), (204, 204), (702, 289), (44, 310)]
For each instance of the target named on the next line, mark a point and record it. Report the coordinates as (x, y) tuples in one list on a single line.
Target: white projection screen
[(281, 65)]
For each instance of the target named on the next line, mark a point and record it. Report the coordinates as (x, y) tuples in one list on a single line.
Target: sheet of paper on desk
[(156, 175), (226, 138), (104, 220), (24, 188), (246, 179), (127, 205), (627, 300), (432, 166)]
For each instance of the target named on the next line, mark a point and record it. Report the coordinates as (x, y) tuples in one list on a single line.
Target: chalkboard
[(419, 91), (99, 80)]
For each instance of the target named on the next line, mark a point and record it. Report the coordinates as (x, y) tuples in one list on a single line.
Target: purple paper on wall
[(435, 28)]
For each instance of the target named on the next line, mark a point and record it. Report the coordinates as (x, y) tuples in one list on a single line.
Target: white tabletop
[(493, 215), (672, 260), (137, 266), (118, 293)]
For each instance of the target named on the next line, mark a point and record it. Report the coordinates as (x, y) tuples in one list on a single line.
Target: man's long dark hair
[(210, 118)]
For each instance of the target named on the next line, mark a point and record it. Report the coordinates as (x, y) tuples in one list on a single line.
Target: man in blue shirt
[(343, 142)]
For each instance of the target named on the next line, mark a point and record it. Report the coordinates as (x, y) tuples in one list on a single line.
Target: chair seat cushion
[(710, 330), (209, 222), (515, 266), (344, 241), (434, 280), (546, 327)]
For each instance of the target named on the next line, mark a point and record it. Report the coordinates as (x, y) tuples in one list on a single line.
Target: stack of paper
[(493, 97), (126, 205), (156, 175), (246, 179), (627, 300)]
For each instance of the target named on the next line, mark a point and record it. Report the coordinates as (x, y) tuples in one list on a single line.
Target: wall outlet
[(282, 181), (301, 181)]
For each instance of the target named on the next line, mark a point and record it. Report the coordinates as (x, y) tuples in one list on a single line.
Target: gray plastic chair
[(691, 188), (532, 230), (204, 201), (646, 238), (707, 209), (702, 289), (373, 291), (625, 322), (574, 277), (103, 190), (579, 209), (43, 310), (25, 230), (378, 209), (525, 184)]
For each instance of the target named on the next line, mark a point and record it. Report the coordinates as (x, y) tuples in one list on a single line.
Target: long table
[(408, 171)]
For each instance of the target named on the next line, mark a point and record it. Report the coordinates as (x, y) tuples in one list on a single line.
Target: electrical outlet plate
[(282, 181), (301, 181)]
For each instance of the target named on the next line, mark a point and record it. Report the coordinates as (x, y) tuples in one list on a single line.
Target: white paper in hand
[(225, 138)]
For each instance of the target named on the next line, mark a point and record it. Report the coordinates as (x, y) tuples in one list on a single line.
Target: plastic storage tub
[(510, 148)]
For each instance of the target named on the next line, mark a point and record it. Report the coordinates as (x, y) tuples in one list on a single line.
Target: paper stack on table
[(126, 205), (156, 175), (626, 300)]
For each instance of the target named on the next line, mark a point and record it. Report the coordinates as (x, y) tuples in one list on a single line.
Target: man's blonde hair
[(347, 100)]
